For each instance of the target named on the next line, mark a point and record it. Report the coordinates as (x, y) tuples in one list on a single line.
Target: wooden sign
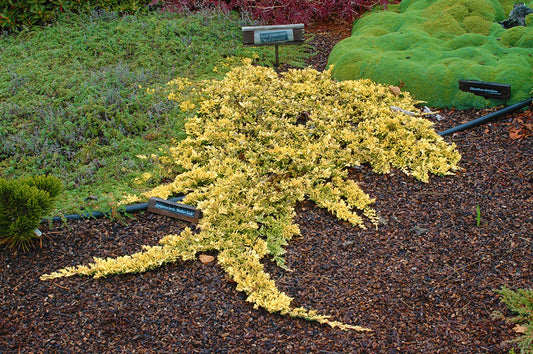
[(174, 210), (273, 35), (486, 89)]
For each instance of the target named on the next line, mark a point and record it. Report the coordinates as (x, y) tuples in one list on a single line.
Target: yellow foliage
[(259, 143)]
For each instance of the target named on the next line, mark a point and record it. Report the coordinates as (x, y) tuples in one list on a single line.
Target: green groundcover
[(427, 46)]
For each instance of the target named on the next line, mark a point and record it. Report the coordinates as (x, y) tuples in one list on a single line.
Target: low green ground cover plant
[(16, 14), (427, 46), (259, 143), (77, 99)]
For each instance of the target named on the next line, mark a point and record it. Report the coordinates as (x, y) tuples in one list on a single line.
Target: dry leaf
[(395, 90), (204, 258), (516, 133), (520, 329)]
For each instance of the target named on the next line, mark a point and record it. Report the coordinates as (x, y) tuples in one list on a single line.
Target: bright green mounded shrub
[(259, 143), (15, 14), (427, 46), (23, 203)]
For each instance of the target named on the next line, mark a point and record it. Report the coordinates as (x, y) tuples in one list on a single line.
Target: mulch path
[(423, 282)]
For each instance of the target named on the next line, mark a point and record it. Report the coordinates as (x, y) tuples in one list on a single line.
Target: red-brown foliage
[(280, 11)]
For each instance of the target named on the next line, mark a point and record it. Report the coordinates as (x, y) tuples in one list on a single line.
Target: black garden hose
[(99, 214), (487, 117)]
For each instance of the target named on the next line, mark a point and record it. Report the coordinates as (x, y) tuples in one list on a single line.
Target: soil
[(423, 282)]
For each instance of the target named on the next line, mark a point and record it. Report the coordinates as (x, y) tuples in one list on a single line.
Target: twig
[(405, 303), (62, 287), (269, 7), (456, 270)]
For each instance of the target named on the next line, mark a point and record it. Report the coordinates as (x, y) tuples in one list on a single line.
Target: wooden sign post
[(273, 35), (174, 210), (486, 89)]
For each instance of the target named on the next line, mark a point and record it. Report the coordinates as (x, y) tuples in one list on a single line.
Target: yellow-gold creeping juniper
[(259, 143)]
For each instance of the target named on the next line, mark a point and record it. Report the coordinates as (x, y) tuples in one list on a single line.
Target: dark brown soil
[(424, 282)]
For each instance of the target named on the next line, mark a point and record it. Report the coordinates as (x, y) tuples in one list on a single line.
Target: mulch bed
[(423, 282)]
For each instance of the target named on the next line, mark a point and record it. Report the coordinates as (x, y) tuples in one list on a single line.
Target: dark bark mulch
[(423, 282)]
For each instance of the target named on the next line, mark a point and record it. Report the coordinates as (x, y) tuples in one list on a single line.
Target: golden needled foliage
[(257, 144)]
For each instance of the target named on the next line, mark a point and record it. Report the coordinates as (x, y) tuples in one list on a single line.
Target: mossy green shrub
[(15, 14), (23, 203), (427, 46), (257, 144)]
